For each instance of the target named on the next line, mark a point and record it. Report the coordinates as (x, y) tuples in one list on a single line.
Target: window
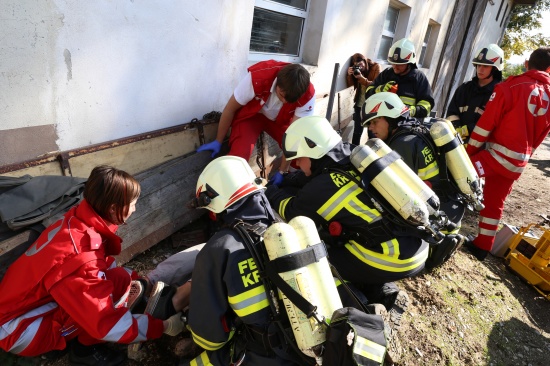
[(388, 33), (277, 29), (428, 44), (425, 45)]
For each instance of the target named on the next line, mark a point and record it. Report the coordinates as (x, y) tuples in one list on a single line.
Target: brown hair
[(107, 186), (293, 80), (357, 57), (540, 59)]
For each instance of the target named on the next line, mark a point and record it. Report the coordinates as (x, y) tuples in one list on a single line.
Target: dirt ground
[(465, 313)]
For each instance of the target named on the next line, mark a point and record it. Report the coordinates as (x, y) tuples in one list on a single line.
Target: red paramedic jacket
[(515, 122), (64, 269), (263, 74)]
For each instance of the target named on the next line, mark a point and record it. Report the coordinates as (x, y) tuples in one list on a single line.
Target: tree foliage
[(511, 69), (520, 35)]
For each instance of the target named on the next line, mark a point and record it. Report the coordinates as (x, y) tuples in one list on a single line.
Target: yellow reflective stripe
[(509, 153), (385, 262), (201, 360), (369, 349), (369, 88), (346, 198), (391, 248), (480, 131), (249, 301), (429, 171), (455, 231), (407, 100), (427, 106), (452, 118), (282, 207), (205, 344)]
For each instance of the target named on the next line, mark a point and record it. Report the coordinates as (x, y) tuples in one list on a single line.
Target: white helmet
[(402, 52), (383, 104), (491, 55), (223, 182), (310, 137)]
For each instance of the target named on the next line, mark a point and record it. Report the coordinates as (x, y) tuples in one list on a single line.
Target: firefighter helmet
[(223, 182), (491, 55), (311, 137), (383, 104), (402, 52)]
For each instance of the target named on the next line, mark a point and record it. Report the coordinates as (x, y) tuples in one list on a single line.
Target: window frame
[(254, 56), (386, 33)]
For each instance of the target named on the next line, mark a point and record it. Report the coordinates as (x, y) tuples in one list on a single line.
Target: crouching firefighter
[(367, 249), (387, 117), (230, 315)]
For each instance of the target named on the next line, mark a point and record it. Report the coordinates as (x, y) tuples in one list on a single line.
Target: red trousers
[(245, 133), (495, 191)]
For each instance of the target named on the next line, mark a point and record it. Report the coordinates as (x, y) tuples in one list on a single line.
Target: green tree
[(520, 35), (512, 69)]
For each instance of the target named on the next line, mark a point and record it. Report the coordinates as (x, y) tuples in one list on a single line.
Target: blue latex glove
[(276, 179), (213, 146)]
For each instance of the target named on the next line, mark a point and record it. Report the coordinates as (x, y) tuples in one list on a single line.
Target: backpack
[(354, 337)]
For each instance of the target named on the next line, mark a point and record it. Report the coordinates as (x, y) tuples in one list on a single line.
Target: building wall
[(79, 73)]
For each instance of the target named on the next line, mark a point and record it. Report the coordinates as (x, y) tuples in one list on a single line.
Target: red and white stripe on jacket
[(515, 122)]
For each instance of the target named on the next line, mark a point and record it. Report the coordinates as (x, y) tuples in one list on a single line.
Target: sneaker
[(95, 355), (479, 253), (160, 304), (137, 291)]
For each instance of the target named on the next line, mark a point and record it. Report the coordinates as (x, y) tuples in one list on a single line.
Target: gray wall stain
[(68, 62)]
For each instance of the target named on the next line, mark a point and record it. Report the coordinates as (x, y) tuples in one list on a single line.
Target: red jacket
[(515, 122), (263, 74), (65, 268)]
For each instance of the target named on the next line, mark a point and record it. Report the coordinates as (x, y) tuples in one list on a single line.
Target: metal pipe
[(332, 91)]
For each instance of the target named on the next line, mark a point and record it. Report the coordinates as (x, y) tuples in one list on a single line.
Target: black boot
[(94, 355), (479, 253)]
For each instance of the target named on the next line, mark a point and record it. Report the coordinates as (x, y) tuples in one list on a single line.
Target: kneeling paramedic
[(362, 244), (229, 314), (387, 117)]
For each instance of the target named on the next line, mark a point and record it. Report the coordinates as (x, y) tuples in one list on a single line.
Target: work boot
[(394, 349), (160, 304), (479, 253), (443, 251), (136, 295), (94, 355)]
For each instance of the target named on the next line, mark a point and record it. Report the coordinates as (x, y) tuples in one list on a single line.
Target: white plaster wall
[(102, 70), (490, 31)]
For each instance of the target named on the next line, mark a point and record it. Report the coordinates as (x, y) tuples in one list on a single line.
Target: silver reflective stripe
[(120, 328), (481, 131), (9, 327), (474, 142), (343, 194), (26, 337), (505, 163), (369, 349), (143, 326), (509, 153), (488, 220), (486, 232), (393, 247)]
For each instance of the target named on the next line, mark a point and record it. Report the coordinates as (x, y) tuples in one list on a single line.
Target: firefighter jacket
[(228, 298), (329, 196), (468, 103), (413, 88), (515, 122), (64, 271), (263, 75)]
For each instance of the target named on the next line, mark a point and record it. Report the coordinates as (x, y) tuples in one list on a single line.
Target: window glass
[(425, 45), (274, 32), (299, 4), (390, 23), (388, 33), (385, 44)]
